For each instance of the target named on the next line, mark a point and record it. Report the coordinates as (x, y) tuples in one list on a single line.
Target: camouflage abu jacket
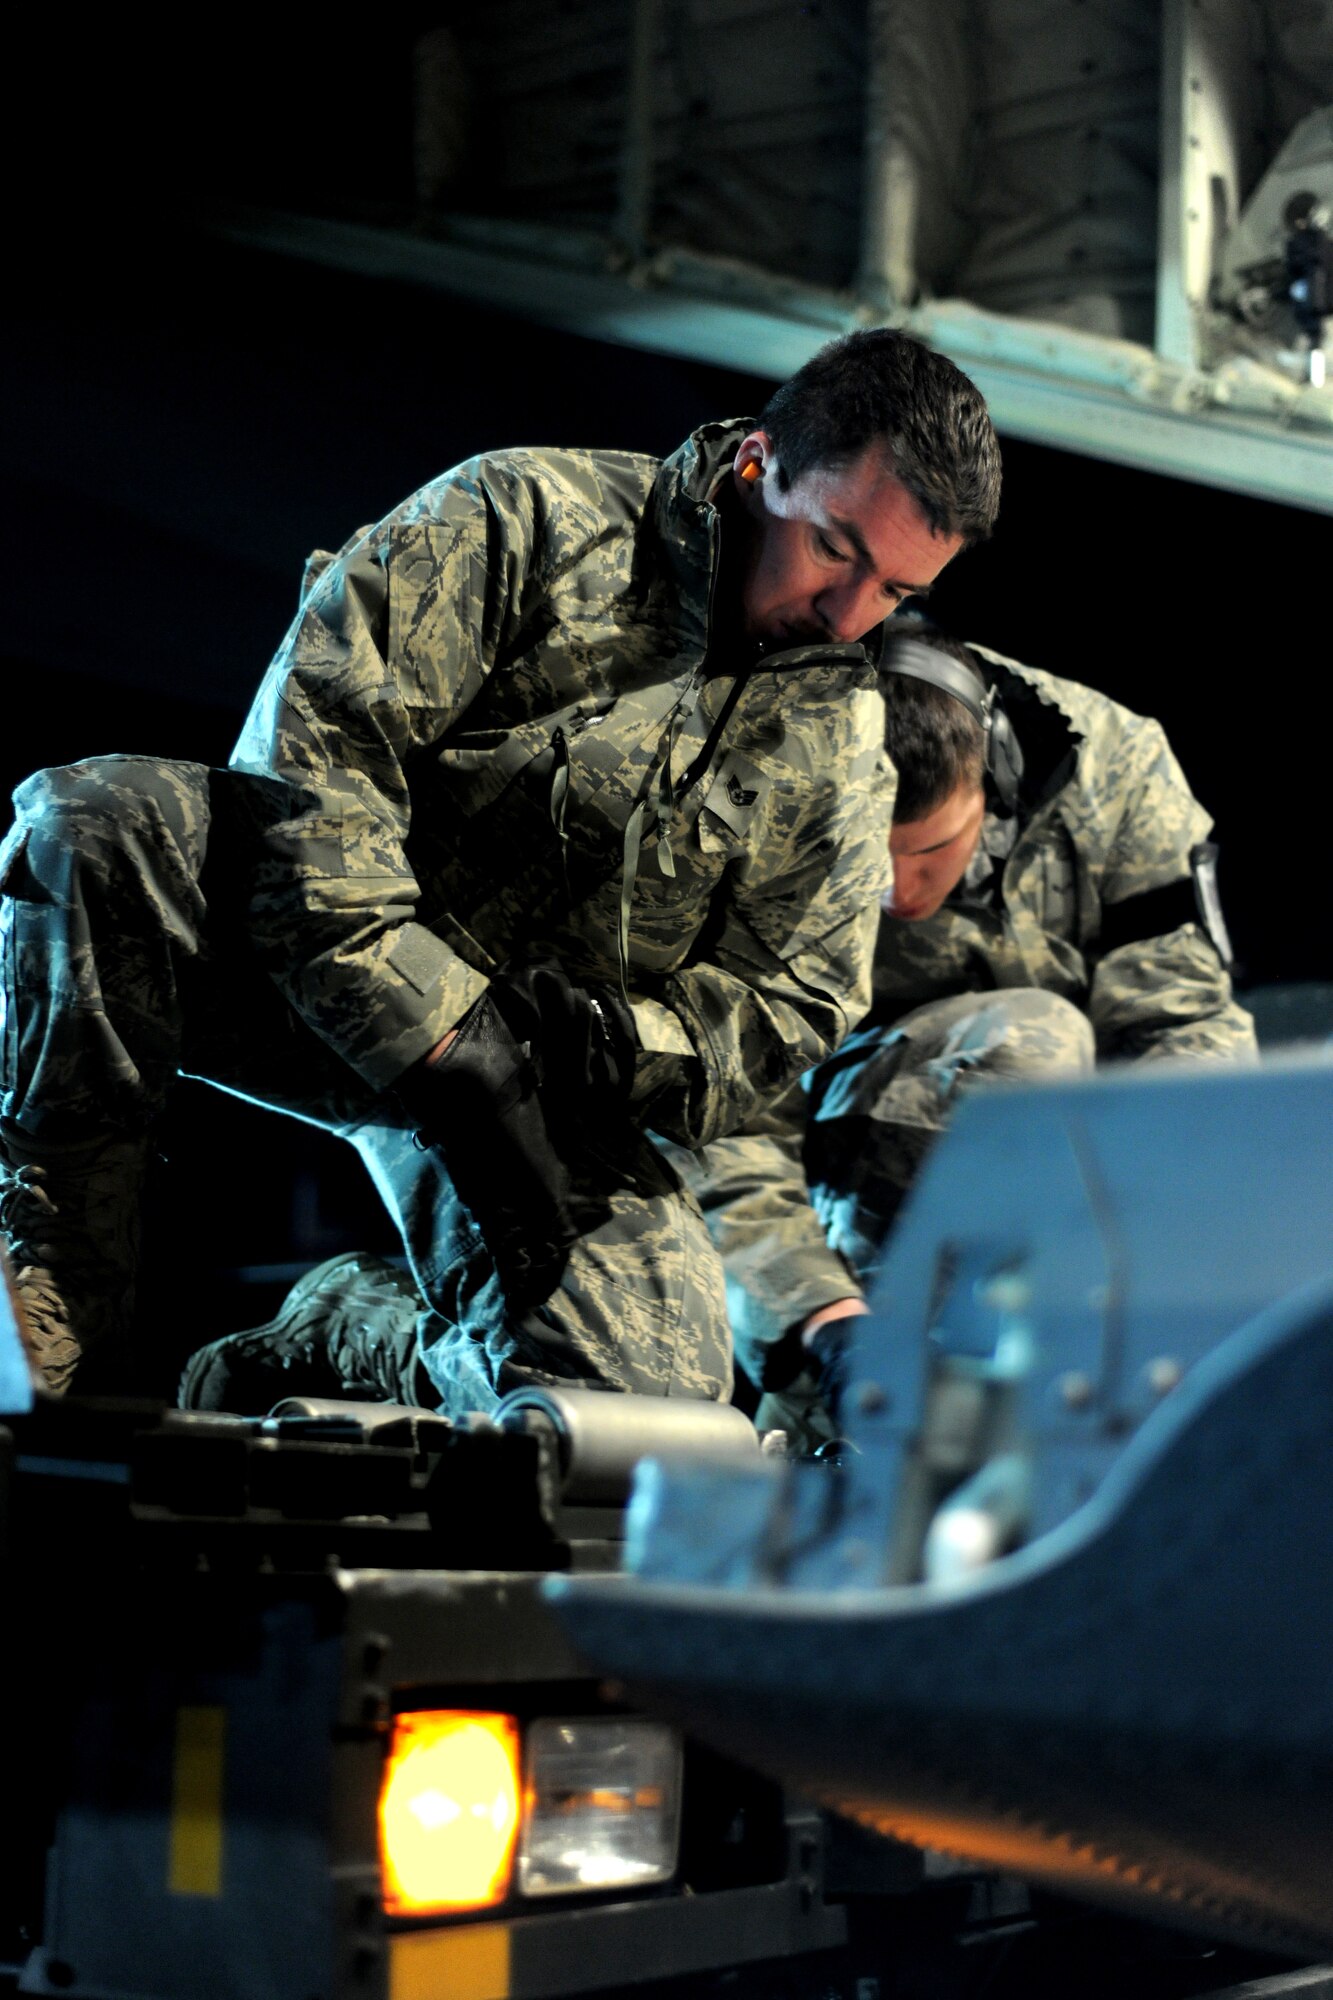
[(506, 723), (1096, 902), (1086, 892)]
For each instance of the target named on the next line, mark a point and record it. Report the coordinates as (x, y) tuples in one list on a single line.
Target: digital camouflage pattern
[(653, 1323), (90, 1005), (477, 695), (641, 1307), (494, 731), (1121, 821), (1003, 982)]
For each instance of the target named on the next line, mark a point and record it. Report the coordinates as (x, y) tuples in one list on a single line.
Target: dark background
[(188, 419)]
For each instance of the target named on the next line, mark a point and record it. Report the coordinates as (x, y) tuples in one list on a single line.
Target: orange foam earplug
[(750, 471)]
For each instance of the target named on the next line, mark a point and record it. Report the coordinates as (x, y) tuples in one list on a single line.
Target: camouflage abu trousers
[(124, 963), (877, 1106)]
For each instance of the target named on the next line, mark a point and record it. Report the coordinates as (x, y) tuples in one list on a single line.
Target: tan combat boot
[(69, 1213)]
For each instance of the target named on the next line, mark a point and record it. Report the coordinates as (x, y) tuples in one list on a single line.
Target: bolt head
[(1076, 1390), (1163, 1373)]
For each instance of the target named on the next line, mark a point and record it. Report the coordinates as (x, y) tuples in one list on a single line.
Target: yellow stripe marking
[(466, 1961), (194, 1864)]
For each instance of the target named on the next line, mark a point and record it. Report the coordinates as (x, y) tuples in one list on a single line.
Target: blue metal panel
[(1107, 1233)]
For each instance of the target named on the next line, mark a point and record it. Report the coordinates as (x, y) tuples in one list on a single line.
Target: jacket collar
[(1047, 733), (687, 529)]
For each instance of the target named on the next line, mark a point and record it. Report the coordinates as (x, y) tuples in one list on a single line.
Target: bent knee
[(1040, 1034), (117, 801)]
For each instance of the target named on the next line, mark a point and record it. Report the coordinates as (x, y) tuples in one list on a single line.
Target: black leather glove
[(583, 1040), (828, 1355), (538, 1070)]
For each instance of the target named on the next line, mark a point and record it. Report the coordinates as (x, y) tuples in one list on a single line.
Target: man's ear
[(750, 467)]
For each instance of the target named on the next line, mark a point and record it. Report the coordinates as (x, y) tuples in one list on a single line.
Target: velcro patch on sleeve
[(416, 958), (738, 792)]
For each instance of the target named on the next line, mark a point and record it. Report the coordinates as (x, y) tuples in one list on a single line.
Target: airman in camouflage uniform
[(559, 707), (1073, 935)]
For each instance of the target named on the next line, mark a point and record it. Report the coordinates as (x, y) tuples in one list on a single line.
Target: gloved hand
[(583, 1040), (826, 1342), (537, 1072)]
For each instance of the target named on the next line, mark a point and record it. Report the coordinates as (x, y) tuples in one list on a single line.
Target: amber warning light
[(449, 1811)]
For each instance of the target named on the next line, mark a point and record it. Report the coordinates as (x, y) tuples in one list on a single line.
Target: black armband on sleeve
[(1193, 899)]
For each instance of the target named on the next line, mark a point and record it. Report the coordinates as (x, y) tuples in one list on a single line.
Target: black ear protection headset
[(1002, 754)]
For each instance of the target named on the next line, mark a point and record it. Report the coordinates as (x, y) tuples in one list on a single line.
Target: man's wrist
[(852, 1307), (826, 1340)]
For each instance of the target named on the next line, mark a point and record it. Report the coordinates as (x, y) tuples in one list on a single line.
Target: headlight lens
[(601, 1805), (449, 1811)]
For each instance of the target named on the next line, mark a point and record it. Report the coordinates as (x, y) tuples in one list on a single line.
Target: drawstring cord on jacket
[(668, 797)]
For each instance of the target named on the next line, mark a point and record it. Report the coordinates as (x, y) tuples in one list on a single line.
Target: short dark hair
[(883, 386), (935, 742)]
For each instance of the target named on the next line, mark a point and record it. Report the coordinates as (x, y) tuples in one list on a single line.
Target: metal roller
[(602, 1436)]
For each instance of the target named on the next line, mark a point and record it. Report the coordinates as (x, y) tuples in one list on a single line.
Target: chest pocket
[(477, 767), (487, 812), (1042, 882), (1048, 902), (670, 907), (522, 821)]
